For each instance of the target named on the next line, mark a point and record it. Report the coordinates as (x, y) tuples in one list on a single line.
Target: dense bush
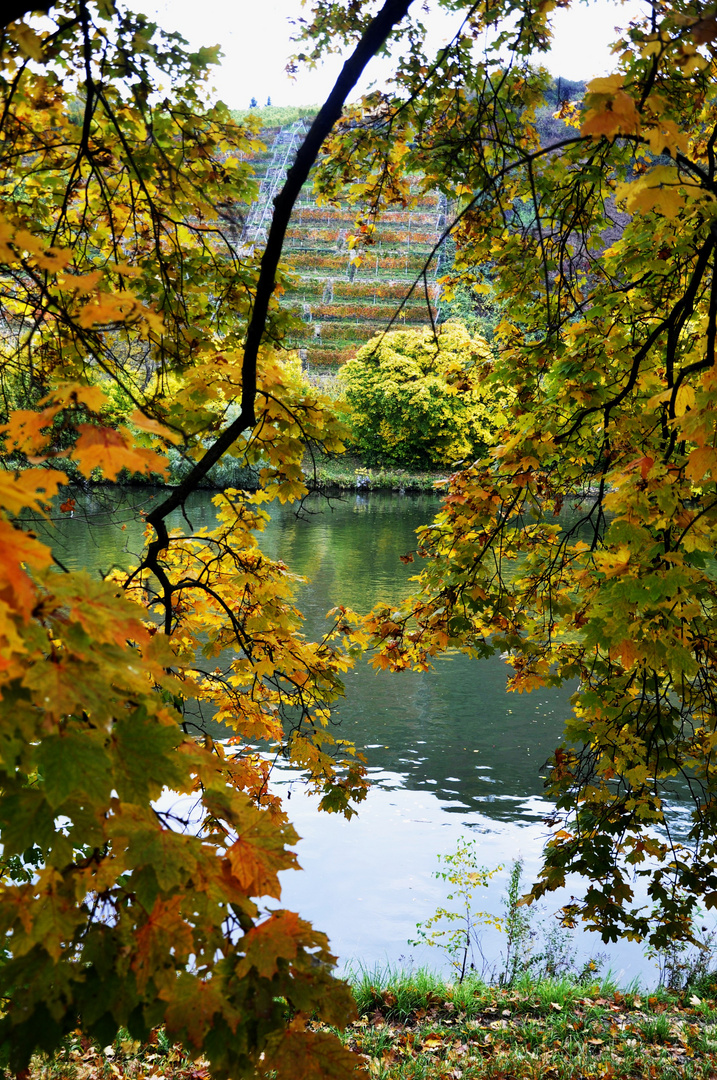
[(421, 400)]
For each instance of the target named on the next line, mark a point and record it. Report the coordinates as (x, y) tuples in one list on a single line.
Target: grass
[(416, 1026)]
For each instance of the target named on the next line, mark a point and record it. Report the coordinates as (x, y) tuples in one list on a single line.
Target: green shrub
[(422, 400)]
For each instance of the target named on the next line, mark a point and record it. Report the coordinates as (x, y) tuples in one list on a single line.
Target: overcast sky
[(254, 36)]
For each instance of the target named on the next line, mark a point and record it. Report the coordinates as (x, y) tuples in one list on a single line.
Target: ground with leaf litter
[(554, 1029)]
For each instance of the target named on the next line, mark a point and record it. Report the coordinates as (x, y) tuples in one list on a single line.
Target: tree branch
[(17, 9), (373, 38)]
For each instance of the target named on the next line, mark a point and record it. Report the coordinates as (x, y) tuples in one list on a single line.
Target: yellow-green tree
[(421, 398)]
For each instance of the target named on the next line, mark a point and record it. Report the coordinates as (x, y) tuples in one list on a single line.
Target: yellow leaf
[(113, 450), (666, 137), (126, 270), (108, 308), (81, 283), (613, 563), (28, 40), (65, 394), (146, 423), (656, 190), (684, 400), (30, 488), (26, 429), (609, 84), (617, 115)]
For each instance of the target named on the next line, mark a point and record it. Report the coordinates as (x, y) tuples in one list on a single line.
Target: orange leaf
[(30, 488), (93, 397), (18, 547), (628, 653), (248, 866), (702, 460), (164, 933), (113, 450), (644, 464), (615, 116), (278, 936), (145, 423), (27, 430), (305, 1055), (192, 1005)]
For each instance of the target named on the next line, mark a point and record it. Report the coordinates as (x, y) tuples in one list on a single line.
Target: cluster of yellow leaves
[(33, 433)]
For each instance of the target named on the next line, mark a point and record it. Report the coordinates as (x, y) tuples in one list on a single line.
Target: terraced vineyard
[(342, 306)]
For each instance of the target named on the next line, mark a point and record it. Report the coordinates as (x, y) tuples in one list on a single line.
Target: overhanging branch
[(373, 38)]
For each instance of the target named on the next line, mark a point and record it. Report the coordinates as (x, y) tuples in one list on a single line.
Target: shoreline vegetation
[(418, 1026), (348, 472), (327, 474)]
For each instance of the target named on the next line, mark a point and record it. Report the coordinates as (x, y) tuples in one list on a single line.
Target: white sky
[(254, 36)]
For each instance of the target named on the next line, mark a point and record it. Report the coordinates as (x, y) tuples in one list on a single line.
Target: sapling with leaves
[(456, 930)]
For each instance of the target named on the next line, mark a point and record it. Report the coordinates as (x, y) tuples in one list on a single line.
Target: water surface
[(449, 751)]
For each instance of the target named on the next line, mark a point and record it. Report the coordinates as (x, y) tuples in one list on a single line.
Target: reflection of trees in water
[(102, 530), (453, 722), (465, 734)]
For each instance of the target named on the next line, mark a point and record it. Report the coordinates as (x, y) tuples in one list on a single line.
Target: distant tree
[(420, 399), (268, 102), (253, 103)]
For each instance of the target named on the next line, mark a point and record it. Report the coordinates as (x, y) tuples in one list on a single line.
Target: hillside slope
[(342, 306)]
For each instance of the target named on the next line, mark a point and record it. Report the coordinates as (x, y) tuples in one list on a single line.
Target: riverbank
[(349, 473), (417, 1027), (330, 474)]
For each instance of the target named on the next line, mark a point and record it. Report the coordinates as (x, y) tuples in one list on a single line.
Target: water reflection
[(449, 751)]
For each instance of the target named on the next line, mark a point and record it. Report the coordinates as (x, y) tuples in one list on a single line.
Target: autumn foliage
[(138, 855), (137, 852), (582, 545), (422, 398)]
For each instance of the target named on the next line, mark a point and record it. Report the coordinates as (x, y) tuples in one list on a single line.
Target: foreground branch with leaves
[(134, 318), (583, 545), (137, 853)]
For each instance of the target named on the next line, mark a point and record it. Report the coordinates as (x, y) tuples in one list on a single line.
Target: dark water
[(450, 752)]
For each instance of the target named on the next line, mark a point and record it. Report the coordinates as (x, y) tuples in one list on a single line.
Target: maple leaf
[(67, 394), (31, 488), (112, 450), (165, 932), (701, 462), (303, 1055), (278, 937), (253, 867), (56, 917), (616, 114), (192, 1005), (16, 548), (28, 430), (146, 423), (628, 652)]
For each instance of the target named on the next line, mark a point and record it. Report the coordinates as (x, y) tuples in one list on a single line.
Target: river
[(450, 753)]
